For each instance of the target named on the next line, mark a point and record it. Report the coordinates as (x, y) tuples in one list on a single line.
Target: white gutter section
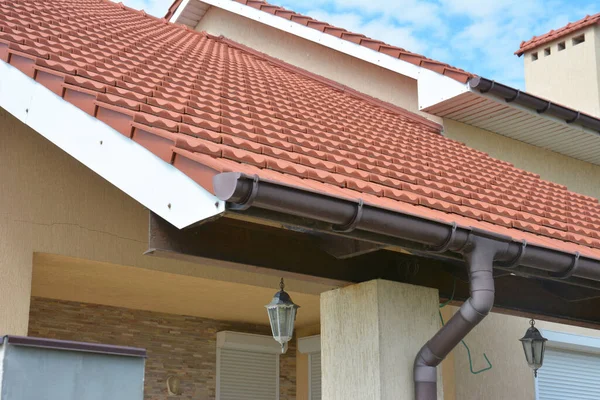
[(154, 183)]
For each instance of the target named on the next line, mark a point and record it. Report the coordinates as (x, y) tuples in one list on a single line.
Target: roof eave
[(481, 102)]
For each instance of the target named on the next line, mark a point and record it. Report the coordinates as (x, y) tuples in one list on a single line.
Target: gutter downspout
[(479, 253)]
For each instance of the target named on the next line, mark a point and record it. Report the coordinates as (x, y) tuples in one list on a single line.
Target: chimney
[(563, 65)]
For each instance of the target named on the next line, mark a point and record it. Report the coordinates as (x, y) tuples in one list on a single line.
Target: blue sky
[(479, 36)]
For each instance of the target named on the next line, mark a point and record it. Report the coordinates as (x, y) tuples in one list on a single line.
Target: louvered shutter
[(314, 376), (569, 375), (246, 375)]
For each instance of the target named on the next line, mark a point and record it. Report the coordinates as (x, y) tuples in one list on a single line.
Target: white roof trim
[(494, 114), (313, 35), (154, 183), (433, 88)]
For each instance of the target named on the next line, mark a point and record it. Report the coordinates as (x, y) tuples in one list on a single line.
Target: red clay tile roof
[(377, 45), (556, 34), (208, 105)]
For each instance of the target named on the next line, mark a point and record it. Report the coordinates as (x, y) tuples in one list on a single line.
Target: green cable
[(462, 341)]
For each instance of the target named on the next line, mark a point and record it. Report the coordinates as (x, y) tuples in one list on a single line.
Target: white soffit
[(154, 183), (189, 14), (496, 115)]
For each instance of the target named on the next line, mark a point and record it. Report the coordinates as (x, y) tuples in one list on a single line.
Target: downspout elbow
[(480, 260)]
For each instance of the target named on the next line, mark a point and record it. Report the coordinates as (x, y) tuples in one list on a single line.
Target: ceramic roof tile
[(358, 38), (571, 27), (198, 100)]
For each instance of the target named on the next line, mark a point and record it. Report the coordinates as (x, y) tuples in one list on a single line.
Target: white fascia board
[(434, 88), (309, 344), (247, 342), (179, 10), (155, 184), (313, 35)]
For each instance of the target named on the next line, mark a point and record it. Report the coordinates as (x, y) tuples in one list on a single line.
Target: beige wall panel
[(370, 335), (569, 77), (359, 75), (578, 176)]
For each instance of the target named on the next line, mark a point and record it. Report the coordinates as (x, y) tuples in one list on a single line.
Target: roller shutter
[(569, 375)]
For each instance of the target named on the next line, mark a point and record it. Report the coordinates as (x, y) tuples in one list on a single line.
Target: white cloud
[(157, 8)]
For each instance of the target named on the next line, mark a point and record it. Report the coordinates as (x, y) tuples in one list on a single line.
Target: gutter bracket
[(351, 225), (570, 270), (515, 262), (515, 97), (446, 245), (575, 118), (545, 108)]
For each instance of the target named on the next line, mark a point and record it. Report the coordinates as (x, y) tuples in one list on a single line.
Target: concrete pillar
[(370, 335)]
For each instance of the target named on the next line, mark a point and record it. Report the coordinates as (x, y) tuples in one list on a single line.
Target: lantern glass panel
[(538, 352), (528, 348)]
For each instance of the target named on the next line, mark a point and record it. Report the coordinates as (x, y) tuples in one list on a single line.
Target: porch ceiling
[(72, 279), (511, 120)]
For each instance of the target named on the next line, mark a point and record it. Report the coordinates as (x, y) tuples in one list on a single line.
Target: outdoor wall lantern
[(534, 345), (282, 315)]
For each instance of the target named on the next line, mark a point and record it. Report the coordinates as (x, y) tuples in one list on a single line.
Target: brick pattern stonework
[(177, 345)]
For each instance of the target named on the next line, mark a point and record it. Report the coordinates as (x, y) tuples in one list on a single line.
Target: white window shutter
[(314, 376), (247, 367), (569, 375)]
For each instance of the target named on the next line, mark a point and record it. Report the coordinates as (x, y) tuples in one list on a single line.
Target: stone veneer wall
[(177, 345)]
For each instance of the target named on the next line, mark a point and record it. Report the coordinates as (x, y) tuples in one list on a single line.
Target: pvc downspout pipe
[(479, 254), (480, 249)]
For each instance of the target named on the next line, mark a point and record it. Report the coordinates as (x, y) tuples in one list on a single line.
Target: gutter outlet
[(479, 253)]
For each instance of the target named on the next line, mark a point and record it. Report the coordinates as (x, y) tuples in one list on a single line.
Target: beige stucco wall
[(569, 77), (51, 203), (578, 176), (498, 337), (357, 74)]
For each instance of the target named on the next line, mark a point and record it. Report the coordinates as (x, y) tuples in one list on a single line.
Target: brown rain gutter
[(512, 95), (480, 249)]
